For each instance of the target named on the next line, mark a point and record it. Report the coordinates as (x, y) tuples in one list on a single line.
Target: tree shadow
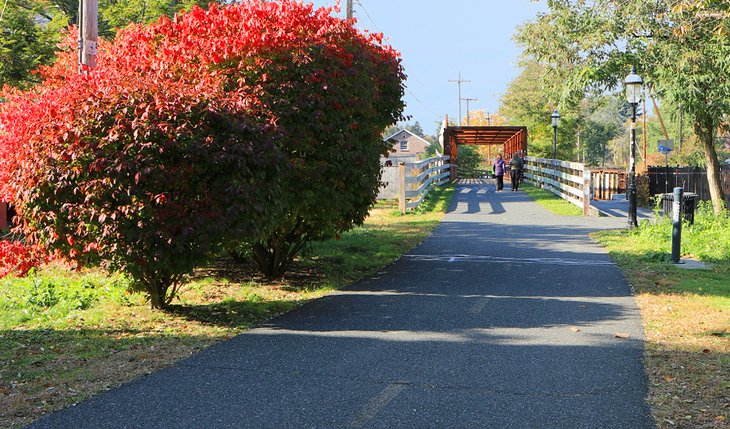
[(233, 313), (300, 275)]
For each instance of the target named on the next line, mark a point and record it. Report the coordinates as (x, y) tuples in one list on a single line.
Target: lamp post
[(555, 116), (633, 84)]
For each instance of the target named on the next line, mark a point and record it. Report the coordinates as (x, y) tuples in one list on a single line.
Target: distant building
[(407, 147)]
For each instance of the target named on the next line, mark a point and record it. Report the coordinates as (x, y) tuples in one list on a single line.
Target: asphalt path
[(506, 317)]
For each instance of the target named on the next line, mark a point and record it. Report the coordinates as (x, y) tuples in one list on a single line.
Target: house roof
[(409, 132)]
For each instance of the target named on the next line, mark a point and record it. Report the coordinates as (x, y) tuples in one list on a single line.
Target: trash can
[(689, 204)]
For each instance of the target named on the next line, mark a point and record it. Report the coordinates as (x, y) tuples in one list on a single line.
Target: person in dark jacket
[(515, 170), (499, 172)]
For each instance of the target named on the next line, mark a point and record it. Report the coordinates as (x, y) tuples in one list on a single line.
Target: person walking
[(515, 170), (499, 172)]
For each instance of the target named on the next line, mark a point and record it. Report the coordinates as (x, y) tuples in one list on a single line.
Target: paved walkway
[(619, 207), (506, 317)]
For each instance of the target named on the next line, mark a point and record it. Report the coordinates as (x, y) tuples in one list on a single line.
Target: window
[(404, 145)]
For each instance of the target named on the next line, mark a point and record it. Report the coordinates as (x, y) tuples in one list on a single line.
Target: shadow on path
[(505, 317)]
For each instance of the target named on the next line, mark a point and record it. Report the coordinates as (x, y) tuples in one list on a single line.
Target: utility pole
[(468, 120), (459, 82), (349, 9), (489, 119), (680, 127), (88, 34)]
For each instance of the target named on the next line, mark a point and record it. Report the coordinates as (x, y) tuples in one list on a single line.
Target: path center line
[(377, 403), (502, 259)]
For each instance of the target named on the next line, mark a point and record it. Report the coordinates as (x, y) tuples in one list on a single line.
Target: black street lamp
[(633, 84), (555, 117)]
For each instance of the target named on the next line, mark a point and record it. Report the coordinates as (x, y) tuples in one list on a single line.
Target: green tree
[(31, 29), (416, 129), (115, 14), (469, 161), (596, 137), (24, 43), (680, 48), (529, 101)]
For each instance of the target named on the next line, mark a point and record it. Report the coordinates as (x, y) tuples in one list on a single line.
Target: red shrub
[(17, 258), (191, 132)]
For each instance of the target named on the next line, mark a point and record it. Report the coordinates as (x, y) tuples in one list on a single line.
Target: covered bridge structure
[(511, 140)]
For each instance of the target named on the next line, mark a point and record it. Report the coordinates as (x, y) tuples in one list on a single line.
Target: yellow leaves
[(721, 30)]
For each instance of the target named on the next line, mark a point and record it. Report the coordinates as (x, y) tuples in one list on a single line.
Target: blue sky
[(440, 39)]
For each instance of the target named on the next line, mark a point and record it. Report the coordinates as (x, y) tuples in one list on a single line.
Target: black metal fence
[(692, 179)]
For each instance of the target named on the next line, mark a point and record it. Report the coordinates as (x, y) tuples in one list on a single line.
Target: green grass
[(686, 315), (65, 336), (550, 201)]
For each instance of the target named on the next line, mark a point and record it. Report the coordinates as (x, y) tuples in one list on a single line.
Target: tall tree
[(416, 129), (31, 29), (25, 43), (680, 48), (529, 101)]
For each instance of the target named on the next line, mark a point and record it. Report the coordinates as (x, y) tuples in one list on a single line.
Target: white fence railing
[(568, 180), (416, 179)]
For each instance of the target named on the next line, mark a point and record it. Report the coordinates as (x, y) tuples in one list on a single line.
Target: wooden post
[(413, 172), (402, 187), (454, 158), (89, 33), (586, 191), (3, 215)]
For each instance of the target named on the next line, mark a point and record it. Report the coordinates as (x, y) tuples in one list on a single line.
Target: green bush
[(707, 239), (469, 161)]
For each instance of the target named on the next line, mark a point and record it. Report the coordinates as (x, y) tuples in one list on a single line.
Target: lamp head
[(633, 84), (555, 116)]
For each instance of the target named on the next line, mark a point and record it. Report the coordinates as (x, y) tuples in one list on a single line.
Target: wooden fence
[(692, 179), (568, 180), (416, 179), (605, 183)]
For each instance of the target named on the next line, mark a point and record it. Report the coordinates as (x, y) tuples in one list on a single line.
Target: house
[(407, 147)]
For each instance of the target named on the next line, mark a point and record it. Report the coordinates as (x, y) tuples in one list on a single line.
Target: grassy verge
[(686, 316), (67, 336), (550, 201)]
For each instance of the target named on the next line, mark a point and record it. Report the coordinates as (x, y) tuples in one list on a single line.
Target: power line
[(421, 102), (359, 3), (410, 76), (459, 82)]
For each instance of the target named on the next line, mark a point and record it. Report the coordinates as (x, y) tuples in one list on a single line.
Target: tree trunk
[(157, 291), (157, 297), (274, 256), (706, 130)]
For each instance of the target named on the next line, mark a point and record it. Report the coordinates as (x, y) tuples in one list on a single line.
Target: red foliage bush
[(17, 258), (190, 132)]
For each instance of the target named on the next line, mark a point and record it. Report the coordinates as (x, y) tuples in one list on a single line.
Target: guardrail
[(568, 180), (418, 178)]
